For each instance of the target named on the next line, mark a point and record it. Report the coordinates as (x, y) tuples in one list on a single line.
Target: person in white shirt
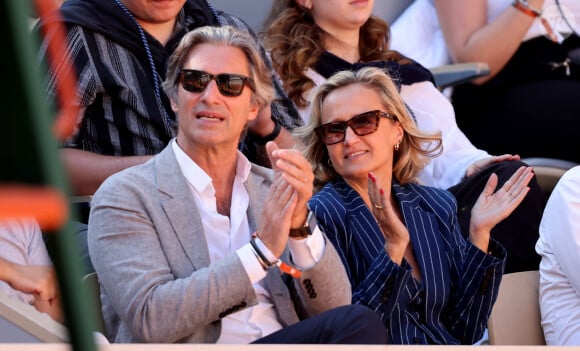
[(532, 48), (559, 246), (26, 271), (200, 245)]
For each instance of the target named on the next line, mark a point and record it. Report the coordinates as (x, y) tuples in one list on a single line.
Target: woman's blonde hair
[(416, 147), (295, 43)]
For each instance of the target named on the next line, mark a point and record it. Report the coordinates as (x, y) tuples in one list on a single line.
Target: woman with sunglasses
[(310, 40), (400, 241)]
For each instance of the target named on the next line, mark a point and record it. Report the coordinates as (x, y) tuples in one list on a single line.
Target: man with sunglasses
[(196, 244), (119, 50)]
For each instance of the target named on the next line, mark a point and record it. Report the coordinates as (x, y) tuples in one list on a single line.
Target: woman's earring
[(329, 162), (397, 145)]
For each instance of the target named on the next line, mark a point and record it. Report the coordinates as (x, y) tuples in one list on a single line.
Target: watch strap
[(306, 230), (300, 233)]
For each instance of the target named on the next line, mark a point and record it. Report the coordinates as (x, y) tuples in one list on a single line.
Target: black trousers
[(517, 233), (351, 324)]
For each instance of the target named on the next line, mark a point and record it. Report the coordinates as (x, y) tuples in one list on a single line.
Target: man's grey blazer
[(148, 247)]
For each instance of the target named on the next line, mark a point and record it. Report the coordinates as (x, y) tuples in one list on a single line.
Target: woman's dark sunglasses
[(362, 124), (228, 84)]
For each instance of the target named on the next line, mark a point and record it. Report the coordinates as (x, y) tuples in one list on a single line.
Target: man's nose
[(211, 91)]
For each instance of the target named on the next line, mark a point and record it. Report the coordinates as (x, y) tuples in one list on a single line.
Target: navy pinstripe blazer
[(452, 303)]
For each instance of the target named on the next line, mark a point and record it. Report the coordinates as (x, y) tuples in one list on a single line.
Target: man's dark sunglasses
[(228, 84), (362, 124)]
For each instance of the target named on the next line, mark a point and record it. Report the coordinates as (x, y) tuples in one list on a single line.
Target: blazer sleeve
[(475, 280), (325, 285)]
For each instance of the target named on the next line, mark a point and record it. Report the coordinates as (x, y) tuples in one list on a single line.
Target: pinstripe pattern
[(459, 282)]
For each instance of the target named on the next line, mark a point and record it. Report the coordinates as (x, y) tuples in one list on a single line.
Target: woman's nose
[(349, 135)]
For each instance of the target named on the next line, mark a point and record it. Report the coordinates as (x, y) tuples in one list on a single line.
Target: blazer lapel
[(366, 235), (424, 230), (180, 209)]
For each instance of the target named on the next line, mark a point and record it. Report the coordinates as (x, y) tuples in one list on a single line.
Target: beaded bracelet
[(260, 255), (266, 264), (524, 7)]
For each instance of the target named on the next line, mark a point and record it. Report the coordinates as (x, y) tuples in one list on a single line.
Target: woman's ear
[(400, 132)]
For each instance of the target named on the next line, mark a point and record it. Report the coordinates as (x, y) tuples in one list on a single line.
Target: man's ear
[(305, 3), (254, 112), (174, 105)]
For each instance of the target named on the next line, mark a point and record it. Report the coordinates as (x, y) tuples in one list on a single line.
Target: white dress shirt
[(227, 235), (559, 246)]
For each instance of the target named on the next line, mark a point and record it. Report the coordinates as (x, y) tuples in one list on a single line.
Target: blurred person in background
[(528, 104)]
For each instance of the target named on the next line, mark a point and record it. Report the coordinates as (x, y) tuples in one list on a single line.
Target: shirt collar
[(197, 177)]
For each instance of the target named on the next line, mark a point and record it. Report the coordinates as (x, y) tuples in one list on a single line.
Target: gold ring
[(378, 206)]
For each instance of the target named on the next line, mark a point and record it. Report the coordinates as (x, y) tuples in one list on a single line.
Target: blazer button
[(311, 292)]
